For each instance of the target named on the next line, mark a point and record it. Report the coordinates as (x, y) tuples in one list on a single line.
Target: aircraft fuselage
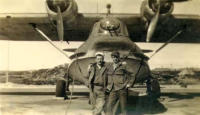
[(109, 34)]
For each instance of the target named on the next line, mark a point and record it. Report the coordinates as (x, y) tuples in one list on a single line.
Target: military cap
[(115, 54)]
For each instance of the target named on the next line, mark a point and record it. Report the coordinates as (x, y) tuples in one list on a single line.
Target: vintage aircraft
[(110, 32)]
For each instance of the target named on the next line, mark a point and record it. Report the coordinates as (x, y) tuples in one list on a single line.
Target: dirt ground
[(168, 104)]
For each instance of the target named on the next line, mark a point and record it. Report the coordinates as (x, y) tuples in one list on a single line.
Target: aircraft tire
[(60, 88), (153, 88)]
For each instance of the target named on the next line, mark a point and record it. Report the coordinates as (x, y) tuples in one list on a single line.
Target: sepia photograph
[(99, 57)]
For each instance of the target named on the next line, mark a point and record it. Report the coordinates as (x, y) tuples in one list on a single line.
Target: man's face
[(115, 59), (99, 60)]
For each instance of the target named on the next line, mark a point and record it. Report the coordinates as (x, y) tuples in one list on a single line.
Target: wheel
[(60, 88), (153, 87)]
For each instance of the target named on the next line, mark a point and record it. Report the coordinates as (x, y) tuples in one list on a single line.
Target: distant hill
[(50, 76), (182, 76), (36, 77)]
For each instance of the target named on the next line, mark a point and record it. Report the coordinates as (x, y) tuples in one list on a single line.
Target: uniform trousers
[(98, 96), (116, 96)]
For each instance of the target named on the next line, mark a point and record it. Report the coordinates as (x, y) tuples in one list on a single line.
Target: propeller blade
[(152, 25), (60, 28)]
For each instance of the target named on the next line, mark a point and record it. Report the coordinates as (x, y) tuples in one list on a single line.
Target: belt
[(97, 84)]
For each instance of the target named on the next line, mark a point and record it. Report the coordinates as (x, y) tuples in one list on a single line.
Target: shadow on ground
[(148, 105), (144, 105), (178, 96)]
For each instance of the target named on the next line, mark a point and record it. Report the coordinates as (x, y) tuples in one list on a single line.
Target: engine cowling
[(149, 8), (68, 9)]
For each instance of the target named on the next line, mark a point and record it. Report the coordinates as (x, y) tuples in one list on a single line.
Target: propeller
[(60, 27), (157, 6), (153, 23), (58, 6)]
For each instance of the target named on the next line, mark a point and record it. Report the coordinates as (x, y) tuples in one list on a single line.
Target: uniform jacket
[(118, 77), (92, 74)]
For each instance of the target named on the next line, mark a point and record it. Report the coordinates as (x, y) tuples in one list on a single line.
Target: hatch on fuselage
[(109, 26)]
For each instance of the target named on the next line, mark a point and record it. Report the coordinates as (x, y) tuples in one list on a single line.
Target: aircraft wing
[(15, 21), (19, 28), (16, 16), (188, 24)]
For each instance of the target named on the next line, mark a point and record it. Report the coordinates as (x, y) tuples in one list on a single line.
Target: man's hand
[(107, 91), (89, 67)]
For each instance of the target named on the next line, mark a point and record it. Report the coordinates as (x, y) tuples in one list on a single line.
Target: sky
[(26, 55)]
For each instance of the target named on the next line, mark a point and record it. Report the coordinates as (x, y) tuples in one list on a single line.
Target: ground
[(168, 104)]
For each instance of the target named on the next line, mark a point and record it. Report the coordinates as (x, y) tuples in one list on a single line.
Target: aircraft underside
[(78, 70)]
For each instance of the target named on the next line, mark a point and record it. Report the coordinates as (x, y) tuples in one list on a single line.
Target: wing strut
[(49, 40), (165, 44)]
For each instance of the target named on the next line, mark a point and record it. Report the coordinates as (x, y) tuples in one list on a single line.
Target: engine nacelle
[(149, 8), (68, 8)]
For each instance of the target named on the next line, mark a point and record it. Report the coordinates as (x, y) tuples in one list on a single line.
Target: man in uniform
[(119, 81), (97, 83)]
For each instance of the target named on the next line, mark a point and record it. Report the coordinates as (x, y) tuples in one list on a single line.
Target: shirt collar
[(116, 65), (99, 66)]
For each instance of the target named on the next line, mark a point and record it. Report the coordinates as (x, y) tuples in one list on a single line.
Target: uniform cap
[(115, 54), (99, 54)]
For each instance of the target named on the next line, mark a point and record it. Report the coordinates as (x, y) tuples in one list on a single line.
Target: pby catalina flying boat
[(110, 32)]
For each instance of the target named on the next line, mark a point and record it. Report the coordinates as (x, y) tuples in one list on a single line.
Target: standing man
[(119, 81), (97, 83)]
